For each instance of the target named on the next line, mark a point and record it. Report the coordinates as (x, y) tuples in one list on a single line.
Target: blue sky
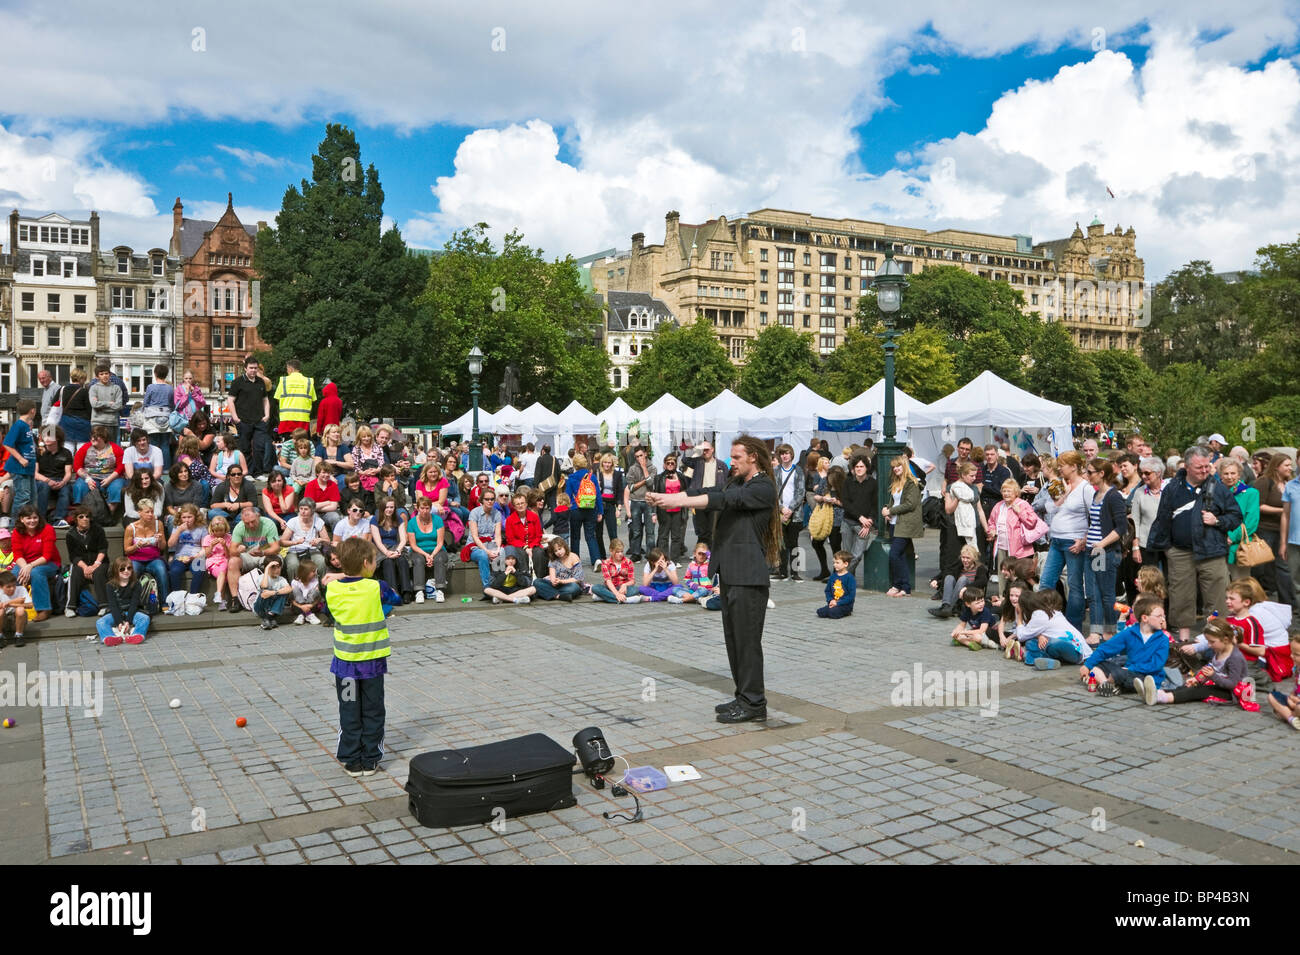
[(1007, 118)]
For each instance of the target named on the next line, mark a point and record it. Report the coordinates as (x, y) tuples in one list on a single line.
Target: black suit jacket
[(744, 512)]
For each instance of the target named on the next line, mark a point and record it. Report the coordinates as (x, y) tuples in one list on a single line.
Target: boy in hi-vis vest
[(356, 602)]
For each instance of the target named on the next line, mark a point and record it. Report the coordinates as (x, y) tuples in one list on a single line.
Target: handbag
[(821, 522), (1037, 531), (1253, 551)]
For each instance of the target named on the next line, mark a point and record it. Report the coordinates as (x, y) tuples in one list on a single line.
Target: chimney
[(178, 214), (261, 224), (670, 227), (94, 233), (638, 242)]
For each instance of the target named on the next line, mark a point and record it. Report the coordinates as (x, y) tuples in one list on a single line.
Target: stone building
[(1099, 286), (631, 319), (776, 267), (8, 368), (139, 315), (220, 326), (52, 294)]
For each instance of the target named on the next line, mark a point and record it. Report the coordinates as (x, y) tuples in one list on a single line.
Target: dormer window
[(38, 265), (123, 264), (157, 265), (69, 268)]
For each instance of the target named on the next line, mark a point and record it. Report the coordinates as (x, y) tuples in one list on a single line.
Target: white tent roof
[(575, 419), (872, 402), (509, 420), (539, 418), (464, 423), (990, 401), (668, 413), (617, 415), (797, 410), (727, 412)]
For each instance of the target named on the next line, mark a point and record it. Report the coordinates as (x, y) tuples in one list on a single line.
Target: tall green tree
[(988, 351), (521, 311), (688, 362), (1179, 405), (961, 303), (778, 359), (923, 365), (1123, 378), (852, 368), (336, 290), (1062, 373), (1196, 317)]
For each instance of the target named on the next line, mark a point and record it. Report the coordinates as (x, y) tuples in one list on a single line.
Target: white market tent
[(574, 419), (794, 416), (509, 420), (665, 418), (730, 416), (541, 425), (618, 416), (872, 402), (465, 423), (989, 409)]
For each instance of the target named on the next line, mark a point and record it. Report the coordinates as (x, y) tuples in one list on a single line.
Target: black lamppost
[(888, 284), (475, 448)]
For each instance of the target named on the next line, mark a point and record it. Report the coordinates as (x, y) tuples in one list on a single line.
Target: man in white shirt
[(527, 466)]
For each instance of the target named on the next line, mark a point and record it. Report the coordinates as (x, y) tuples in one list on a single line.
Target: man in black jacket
[(861, 499), (746, 540), (1192, 523)]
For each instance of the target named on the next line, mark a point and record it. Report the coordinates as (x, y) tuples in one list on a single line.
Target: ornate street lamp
[(475, 448), (888, 285)]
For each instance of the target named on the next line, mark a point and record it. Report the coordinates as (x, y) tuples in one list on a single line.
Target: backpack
[(586, 497), (87, 605), (932, 512), (250, 585), (150, 602)]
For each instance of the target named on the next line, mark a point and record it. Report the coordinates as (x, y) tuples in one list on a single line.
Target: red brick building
[(219, 323)]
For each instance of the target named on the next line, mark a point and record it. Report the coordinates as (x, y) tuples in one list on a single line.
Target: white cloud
[(253, 157)]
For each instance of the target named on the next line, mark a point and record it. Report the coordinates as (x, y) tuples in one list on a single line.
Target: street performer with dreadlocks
[(746, 541)]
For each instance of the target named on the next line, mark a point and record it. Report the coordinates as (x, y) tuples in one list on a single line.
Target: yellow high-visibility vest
[(360, 630), (295, 393)]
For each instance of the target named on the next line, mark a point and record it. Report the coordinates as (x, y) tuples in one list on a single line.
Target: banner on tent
[(844, 424)]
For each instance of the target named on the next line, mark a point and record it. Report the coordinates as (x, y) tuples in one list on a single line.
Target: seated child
[(306, 597), (617, 571), (1047, 637), (566, 579), (975, 621), (699, 585), (973, 574), (1217, 681), (1147, 648), (1286, 706), (841, 588), (14, 601), (1009, 618), (1264, 639), (273, 592), (510, 584), (126, 620), (558, 522), (659, 578)]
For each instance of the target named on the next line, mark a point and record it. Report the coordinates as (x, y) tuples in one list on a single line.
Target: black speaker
[(593, 751)]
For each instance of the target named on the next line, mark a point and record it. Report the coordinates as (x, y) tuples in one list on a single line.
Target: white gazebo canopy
[(618, 415)]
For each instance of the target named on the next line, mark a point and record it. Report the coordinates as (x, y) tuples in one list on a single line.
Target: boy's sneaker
[(266, 624), (438, 597), (523, 600), (69, 613), (113, 640), (60, 525), (419, 597), (370, 770), (1147, 688), (19, 641), (135, 639), (1108, 689), (354, 768), (674, 599), (313, 619), (1294, 723), (1046, 663), (299, 620), (220, 605), (496, 600)]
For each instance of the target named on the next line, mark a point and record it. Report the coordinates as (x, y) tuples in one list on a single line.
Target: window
[(807, 300), (762, 275), (715, 260), (848, 304), (6, 378), (762, 318), (69, 268), (38, 266), (807, 279), (614, 346), (230, 336), (785, 257), (728, 262), (45, 233), (123, 297), (762, 297), (848, 262), (52, 301), (29, 301), (53, 336), (828, 303), (785, 298), (807, 258), (155, 299), (135, 336), (216, 336), (784, 279), (618, 378), (848, 284), (22, 237), (807, 321), (762, 255), (79, 338), (828, 260), (123, 264), (29, 336), (828, 321), (157, 265), (1033, 299), (79, 305), (867, 263), (786, 318), (81, 237), (827, 344), (737, 348)]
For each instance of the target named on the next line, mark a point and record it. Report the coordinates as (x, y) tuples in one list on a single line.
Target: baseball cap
[(4, 534), (1217, 437)]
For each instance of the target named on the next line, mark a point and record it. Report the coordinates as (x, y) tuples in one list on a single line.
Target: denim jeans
[(156, 568), (640, 534), (607, 595), (1100, 576), (1058, 648), (139, 624), (42, 578), (176, 574), (24, 486), (854, 544), (269, 608), (548, 591), (112, 493), (898, 569), (480, 557), (1059, 558), (583, 521), (60, 503)]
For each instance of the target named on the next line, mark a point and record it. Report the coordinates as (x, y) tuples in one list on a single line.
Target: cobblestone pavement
[(1031, 768)]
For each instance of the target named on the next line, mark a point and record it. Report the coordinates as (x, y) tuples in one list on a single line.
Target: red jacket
[(34, 548), (330, 409), (521, 534), (79, 459)]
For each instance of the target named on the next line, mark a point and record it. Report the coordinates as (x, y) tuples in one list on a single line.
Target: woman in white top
[(353, 525), (1068, 549), (1146, 502)]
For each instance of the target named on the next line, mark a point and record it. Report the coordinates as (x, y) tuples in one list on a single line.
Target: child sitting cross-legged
[(1286, 706), (659, 578), (698, 583), (14, 601), (618, 572), (841, 588), (1047, 637), (1146, 646), (511, 584), (1218, 679), (975, 621)]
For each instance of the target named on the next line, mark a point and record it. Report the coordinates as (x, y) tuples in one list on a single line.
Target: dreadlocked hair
[(763, 457)]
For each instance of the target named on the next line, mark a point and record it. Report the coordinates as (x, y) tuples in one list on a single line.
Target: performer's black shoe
[(723, 707), (737, 713)]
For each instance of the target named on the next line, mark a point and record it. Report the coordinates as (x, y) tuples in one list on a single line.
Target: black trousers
[(672, 534), (744, 609), (819, 548), (789, 541), (702, 520), (396, 572), (252, 441), (361, 719)]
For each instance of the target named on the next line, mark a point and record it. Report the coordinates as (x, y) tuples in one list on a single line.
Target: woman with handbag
[(1014, 524), (1274, 576), (1248, 500), (1107, 516), (825, 497), (74, 399)]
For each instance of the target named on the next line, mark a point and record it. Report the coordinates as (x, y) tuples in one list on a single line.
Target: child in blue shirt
[(1146, 646), (976, 620), (20, 442), (841, 588)]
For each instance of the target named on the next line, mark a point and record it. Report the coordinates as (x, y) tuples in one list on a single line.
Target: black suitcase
[(462, 787)]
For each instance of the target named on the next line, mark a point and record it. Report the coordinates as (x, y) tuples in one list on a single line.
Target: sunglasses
[(354, 510)]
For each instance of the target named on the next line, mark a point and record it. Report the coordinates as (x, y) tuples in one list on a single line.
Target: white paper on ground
[(678, 774)]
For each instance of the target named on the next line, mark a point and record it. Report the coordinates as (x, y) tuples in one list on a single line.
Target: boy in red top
[(617, 571), (325, 492), (523, 531)]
